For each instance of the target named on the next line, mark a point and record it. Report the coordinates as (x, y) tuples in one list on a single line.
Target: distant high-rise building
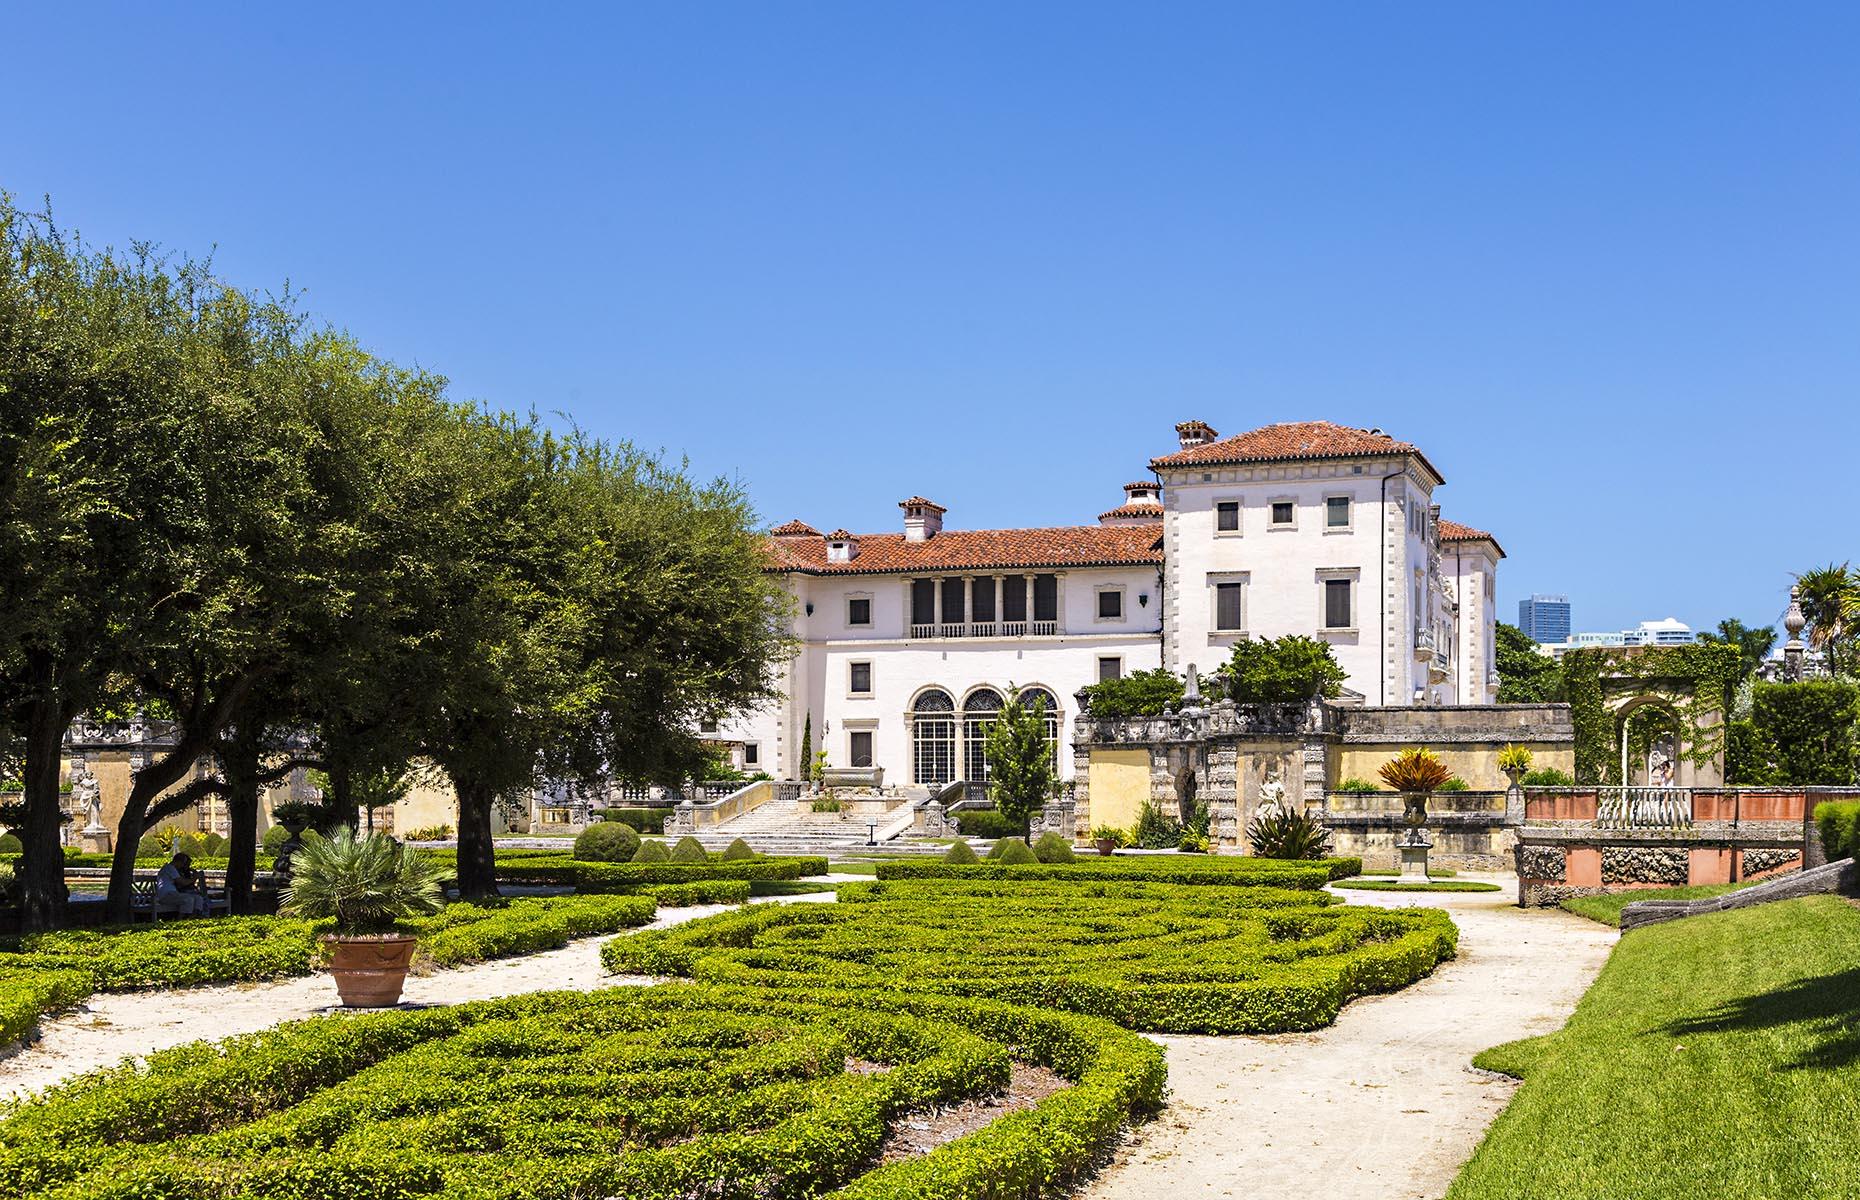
[(1545, 619)]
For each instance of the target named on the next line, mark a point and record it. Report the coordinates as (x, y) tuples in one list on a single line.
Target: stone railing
[(694, 817)]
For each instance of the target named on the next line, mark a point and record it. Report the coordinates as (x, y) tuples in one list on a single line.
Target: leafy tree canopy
[(1524, 675), (1140, 694), (1288, 670)]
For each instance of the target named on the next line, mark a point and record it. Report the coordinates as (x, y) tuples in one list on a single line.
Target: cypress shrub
[(690, 850), (1049, 847), (1839, 822), (1017, 853), (651, 852), (737, 850), (960, 853), (607, 841)]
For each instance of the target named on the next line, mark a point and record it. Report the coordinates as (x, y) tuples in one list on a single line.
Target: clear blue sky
[(1600, 262)]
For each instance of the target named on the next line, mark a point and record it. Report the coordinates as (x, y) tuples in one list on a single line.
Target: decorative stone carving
[(682, 820), (937, 822), (1541, 862), (1644, 864)]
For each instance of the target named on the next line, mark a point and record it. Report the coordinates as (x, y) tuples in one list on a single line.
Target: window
[(752, 754), (1111, 604), (1227, 516), (858, 610), (1229, 609), (953, 589), (923, 601), (1284, 514), (859, 747), (707, 725), (979, 711), (1337, 614), (933, 737), (1046, 597), (1110, 667), (982, 600), (1014, 598), (1336, 512), (859, 678)]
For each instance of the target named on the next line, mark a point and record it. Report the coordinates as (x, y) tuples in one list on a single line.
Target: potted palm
[(367, 886), (1514, 761), (1107, 838)]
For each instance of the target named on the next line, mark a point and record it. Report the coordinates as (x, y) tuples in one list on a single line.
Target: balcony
[(986, 629)]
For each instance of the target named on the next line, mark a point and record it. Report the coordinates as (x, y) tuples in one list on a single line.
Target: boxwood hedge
[(1148, 956), (1204, 870), (644, 1093), (620, 877)]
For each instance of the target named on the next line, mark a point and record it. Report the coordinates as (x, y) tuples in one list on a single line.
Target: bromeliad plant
[(1416, 769), (1293, 835)]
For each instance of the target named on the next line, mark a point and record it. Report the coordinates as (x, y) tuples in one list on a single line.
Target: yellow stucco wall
[(1118, 783), (1477, 765)]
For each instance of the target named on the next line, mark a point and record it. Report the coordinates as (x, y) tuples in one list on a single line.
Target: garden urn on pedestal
[(367, 885), (1415, 773)]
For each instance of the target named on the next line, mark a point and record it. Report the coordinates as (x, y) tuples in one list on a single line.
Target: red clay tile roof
[(1148, 485), (979, 550), (795, 528), (1291, 440), (839, 535), (919, 500), (1453, 531), (1141, 509)]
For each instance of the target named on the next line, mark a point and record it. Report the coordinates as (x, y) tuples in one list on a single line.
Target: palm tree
[(1830, 599), (1752, 645)]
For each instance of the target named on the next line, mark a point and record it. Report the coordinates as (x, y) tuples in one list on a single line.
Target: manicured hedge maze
[(667, 1092), (1190, 869), (44, 972), (624, 877), (1148, 956)]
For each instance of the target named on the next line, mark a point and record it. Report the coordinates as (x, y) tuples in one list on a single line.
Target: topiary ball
[(9, 844), (689, 850), (737, 851), (1049, 847), (151, 847), (607, 841), (1016, 854), (652, 851), (961, 854), (273, 841)]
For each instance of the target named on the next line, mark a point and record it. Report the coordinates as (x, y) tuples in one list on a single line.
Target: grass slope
[(1607, 908), (1715, 1056)]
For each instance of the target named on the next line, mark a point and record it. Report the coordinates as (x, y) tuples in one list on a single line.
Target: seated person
[(179, 888)]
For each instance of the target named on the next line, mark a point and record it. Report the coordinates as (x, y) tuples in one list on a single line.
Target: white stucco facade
[(1327, 531)]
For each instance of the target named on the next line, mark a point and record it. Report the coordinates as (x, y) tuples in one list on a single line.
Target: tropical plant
[(1193, 843), (1753, 644), (1140, 694), (1416, 769), (825, 804), (1830, 600), (1110, 833), (365, 883), (429, 833), (1455, 784), (1288, 834), (1155, 829), (1514, 758), (1022, 771), (1288, 670)]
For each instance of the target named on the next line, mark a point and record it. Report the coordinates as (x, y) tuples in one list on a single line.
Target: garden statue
[(1271, 794)]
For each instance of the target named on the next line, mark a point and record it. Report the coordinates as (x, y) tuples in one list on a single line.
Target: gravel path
[(1381, 1105), (113, 1026)]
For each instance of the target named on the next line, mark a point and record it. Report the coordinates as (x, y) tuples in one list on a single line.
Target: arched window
[(1027, 698), (933, 737), (978, 713)]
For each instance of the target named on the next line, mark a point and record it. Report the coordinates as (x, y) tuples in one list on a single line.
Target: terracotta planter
[(1106, 846), (369, 969)]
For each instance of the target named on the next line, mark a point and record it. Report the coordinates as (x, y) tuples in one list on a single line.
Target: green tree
[(1139, 694), (1753, 644), (1022, 772), (1810, 731), (1830, 599), (1290, 670), (1524, 675)]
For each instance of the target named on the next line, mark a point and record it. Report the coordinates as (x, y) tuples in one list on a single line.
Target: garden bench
[(142, 900)]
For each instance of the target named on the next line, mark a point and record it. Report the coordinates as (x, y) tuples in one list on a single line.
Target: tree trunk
[(42, 860), (241, 767), (477, 870), (342, 793), (129, 830)]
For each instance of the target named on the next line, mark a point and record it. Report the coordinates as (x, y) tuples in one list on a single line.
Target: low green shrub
[(648, 1093), (987, 823), (9, 844), (689, 850), (468, 933), (1148, 956), (1839, 823), (1436, 885), (1193, 843), (960, 853), (1455, 784), (1201, 870), (1155, 829), (1548, 777), (737, 851), (652, 851), (271, 843), (1015, 853), (702, 891), (607, 841), (1358, 787), (645, 820), (1050, 847), (593, 878)]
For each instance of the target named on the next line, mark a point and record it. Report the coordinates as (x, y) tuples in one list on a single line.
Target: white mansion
[(911, 639)]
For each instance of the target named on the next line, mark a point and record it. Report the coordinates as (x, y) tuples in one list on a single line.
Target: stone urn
[(1413, 844), (1106, 846), (1515, 775), (281, 865), (369, 968)]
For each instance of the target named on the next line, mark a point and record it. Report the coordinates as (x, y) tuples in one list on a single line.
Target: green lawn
[(1715, 1056), (1435, 872), (1607, 909)]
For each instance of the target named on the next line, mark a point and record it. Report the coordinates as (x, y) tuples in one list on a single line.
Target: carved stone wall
[(1644, 864)]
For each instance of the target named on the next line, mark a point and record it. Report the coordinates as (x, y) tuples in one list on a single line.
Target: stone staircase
[(791, 826)]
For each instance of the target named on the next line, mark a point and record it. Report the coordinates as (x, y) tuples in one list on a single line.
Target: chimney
[(1143, 493), (1195, 433), (842, 546), (923, 519)]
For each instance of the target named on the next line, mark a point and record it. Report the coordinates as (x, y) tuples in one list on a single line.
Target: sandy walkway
[(113, 1026), (1381, 1105)]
